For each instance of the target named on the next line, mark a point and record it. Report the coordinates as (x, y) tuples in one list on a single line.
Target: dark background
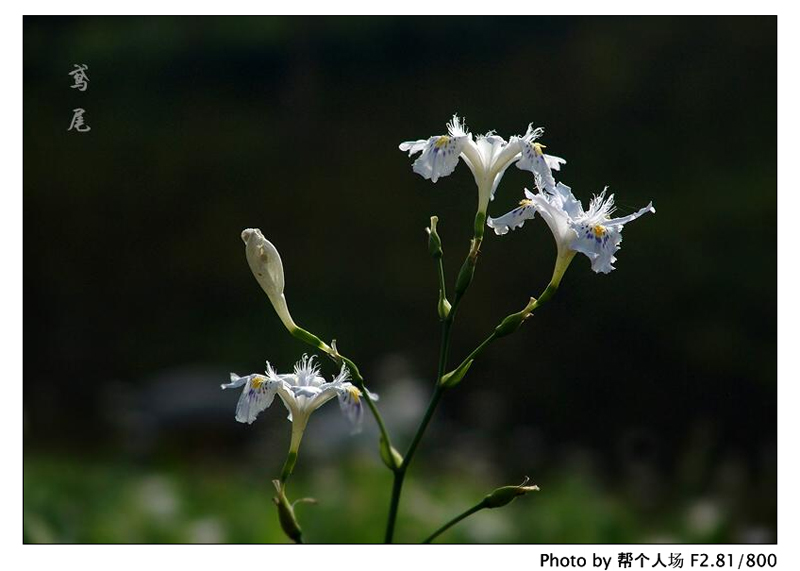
[(642, 402)]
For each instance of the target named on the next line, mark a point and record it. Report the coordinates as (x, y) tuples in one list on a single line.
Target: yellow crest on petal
[(355, 394)]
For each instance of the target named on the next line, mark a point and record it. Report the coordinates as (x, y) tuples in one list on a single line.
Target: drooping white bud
[(267, 267)]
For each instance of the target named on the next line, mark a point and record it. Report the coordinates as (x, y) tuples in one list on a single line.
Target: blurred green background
[(643, 402)]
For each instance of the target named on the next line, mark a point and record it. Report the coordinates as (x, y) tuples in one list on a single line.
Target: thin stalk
[(397, 487), (437, 392), (545, 296), (288, 467), (462, 283), (400, 473), (440, 272), (455, 520)]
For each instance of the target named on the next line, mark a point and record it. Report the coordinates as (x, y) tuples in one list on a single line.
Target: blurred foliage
[(84, 501), (137, 298)]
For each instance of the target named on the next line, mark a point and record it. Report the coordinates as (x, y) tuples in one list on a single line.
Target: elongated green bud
[(286, 515), (452, 378), (390, 456), (509, 324), (444, 306), (434, 241), (465, 276), (505, 495), (513, 321)]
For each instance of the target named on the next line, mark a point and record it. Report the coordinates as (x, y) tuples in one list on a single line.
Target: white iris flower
[(302, 392), (591, 232), (487, 156)]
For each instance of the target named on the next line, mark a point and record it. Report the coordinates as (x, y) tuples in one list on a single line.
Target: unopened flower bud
[(434, 241), (286, 515), (390, 456), (505, 495), (444, 306), (465, 276), (452, 378), (513, 321), (265, 263)]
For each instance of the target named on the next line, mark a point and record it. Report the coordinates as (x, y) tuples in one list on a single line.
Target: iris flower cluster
[(595, 232)]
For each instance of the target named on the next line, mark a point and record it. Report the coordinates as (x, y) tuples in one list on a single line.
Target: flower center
[(256, 382), (441, 141), (599, 231)]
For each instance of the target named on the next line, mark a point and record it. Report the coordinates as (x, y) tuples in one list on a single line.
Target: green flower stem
[(476, 508), (479, 349), (288, 466), (397, 488), (440, 273), (462, 284), (400, 472), (443, 308), (532, 306), (496, 499)]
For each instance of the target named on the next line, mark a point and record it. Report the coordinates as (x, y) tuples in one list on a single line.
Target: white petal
[(625, 219), (512, 220), (600, 239), (284, 390), (533, 161), (599, 249), (439, 157), (236, 382), (562, 195), (552, 210), (508, 153), (324, 393), (306, 372), (352, 405), (254, 399), (554, 162), (498, 177), (490, 147), (413, 146), (456, 127)]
